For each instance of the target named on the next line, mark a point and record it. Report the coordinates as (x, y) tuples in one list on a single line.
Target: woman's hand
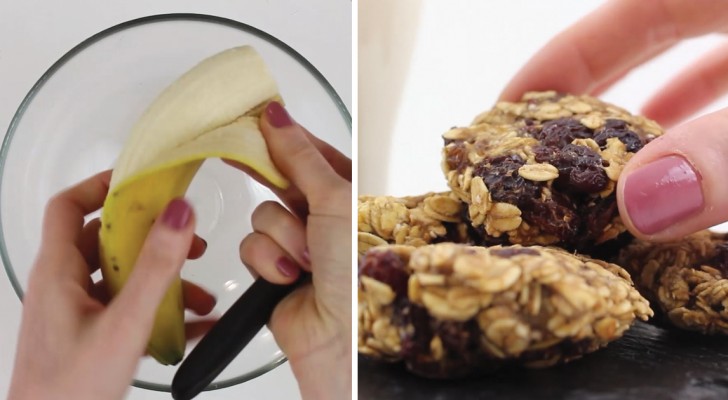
[(675, 185), (313, 324), (74, 343)]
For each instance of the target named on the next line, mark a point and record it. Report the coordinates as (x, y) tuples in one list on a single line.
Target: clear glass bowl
[(74, 121)]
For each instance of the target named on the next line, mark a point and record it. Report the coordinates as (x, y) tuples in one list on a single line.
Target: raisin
[(529, 129), (456, 156), (500, 175), (600, 215), (562, 131), (415, 341), (458, 338), (580, 169), (615, 128), (615, 123), (555, 216), (386, 267), (545, 154)]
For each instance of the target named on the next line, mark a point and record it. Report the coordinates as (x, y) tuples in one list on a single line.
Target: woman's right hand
[(313, 324), (676, 184)]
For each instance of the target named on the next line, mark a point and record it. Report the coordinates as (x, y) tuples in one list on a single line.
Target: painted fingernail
[(177, 214), (306, 256), (204, 243), (662, 193), (277, 115), (287, 267)]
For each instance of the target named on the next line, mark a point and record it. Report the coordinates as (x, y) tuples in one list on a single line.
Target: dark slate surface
[(649, 362)]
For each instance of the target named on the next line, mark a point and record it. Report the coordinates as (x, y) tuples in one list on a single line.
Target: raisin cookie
[(449, 310), (413, 220), (686, 280), (544, 170)]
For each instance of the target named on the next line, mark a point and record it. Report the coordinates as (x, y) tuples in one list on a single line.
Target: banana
[(210, 111)]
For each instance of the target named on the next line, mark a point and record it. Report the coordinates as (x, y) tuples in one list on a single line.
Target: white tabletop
[(35, 33)]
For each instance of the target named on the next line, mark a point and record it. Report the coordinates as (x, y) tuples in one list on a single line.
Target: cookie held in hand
[(544, 170)]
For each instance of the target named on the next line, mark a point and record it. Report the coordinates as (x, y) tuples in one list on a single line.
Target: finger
[(196, 329), (598, 47), (296, 156), (338, 161), (160, 260), (287, 231), (675, 185), (268, 259), (694, 88), (197, 299), (291, 196), (88, 244), (600, 87), (65, 212), (197, 249)]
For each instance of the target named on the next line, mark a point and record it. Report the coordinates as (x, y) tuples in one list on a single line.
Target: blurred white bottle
[(387, 31)]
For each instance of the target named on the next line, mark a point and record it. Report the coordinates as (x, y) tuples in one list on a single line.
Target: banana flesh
[(211, 111)]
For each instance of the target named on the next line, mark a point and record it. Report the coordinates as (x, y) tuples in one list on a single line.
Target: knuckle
[(334, 197), (54, 204), (264, 211), (247, 247), (302, 152)]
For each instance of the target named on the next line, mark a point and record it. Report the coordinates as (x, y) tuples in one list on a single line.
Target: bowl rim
[(151, 19)]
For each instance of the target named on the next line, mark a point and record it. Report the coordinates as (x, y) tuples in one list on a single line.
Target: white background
[(463, 54), (35, 33)]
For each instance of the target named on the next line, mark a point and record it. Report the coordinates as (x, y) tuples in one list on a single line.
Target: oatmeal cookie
[(544, 170), (413, 220), (686, 280), (450, 310)]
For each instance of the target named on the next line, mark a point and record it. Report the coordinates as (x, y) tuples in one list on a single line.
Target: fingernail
[(286, 266), (306, 256), (204, 243), (277, 115), (177, 214), (662, 193)]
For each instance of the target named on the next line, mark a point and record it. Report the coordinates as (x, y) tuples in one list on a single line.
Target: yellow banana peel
[(211, 111)]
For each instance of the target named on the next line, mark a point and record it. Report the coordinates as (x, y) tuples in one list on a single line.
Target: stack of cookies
[(510, 267)]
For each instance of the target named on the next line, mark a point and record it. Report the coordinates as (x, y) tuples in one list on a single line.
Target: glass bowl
[(74, 121)]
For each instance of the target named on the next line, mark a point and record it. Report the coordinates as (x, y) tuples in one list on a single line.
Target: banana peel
[(211, 111)]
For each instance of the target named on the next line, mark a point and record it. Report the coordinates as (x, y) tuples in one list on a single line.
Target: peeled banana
[(210, 111)]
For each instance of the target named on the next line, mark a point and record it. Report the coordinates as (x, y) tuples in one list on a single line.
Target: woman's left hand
[(74, 343)]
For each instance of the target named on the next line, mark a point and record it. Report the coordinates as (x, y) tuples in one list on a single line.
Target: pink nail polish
[(177, 214), (277, 115), (287, 267), (662, 193)]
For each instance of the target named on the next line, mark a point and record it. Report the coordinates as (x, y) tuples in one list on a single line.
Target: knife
[(227, 338)]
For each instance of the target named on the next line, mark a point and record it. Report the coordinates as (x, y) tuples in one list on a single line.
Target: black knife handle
[(227, 338)]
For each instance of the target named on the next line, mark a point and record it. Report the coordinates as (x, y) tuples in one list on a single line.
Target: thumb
[(676, 184), (297, 157), (160, 260)]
